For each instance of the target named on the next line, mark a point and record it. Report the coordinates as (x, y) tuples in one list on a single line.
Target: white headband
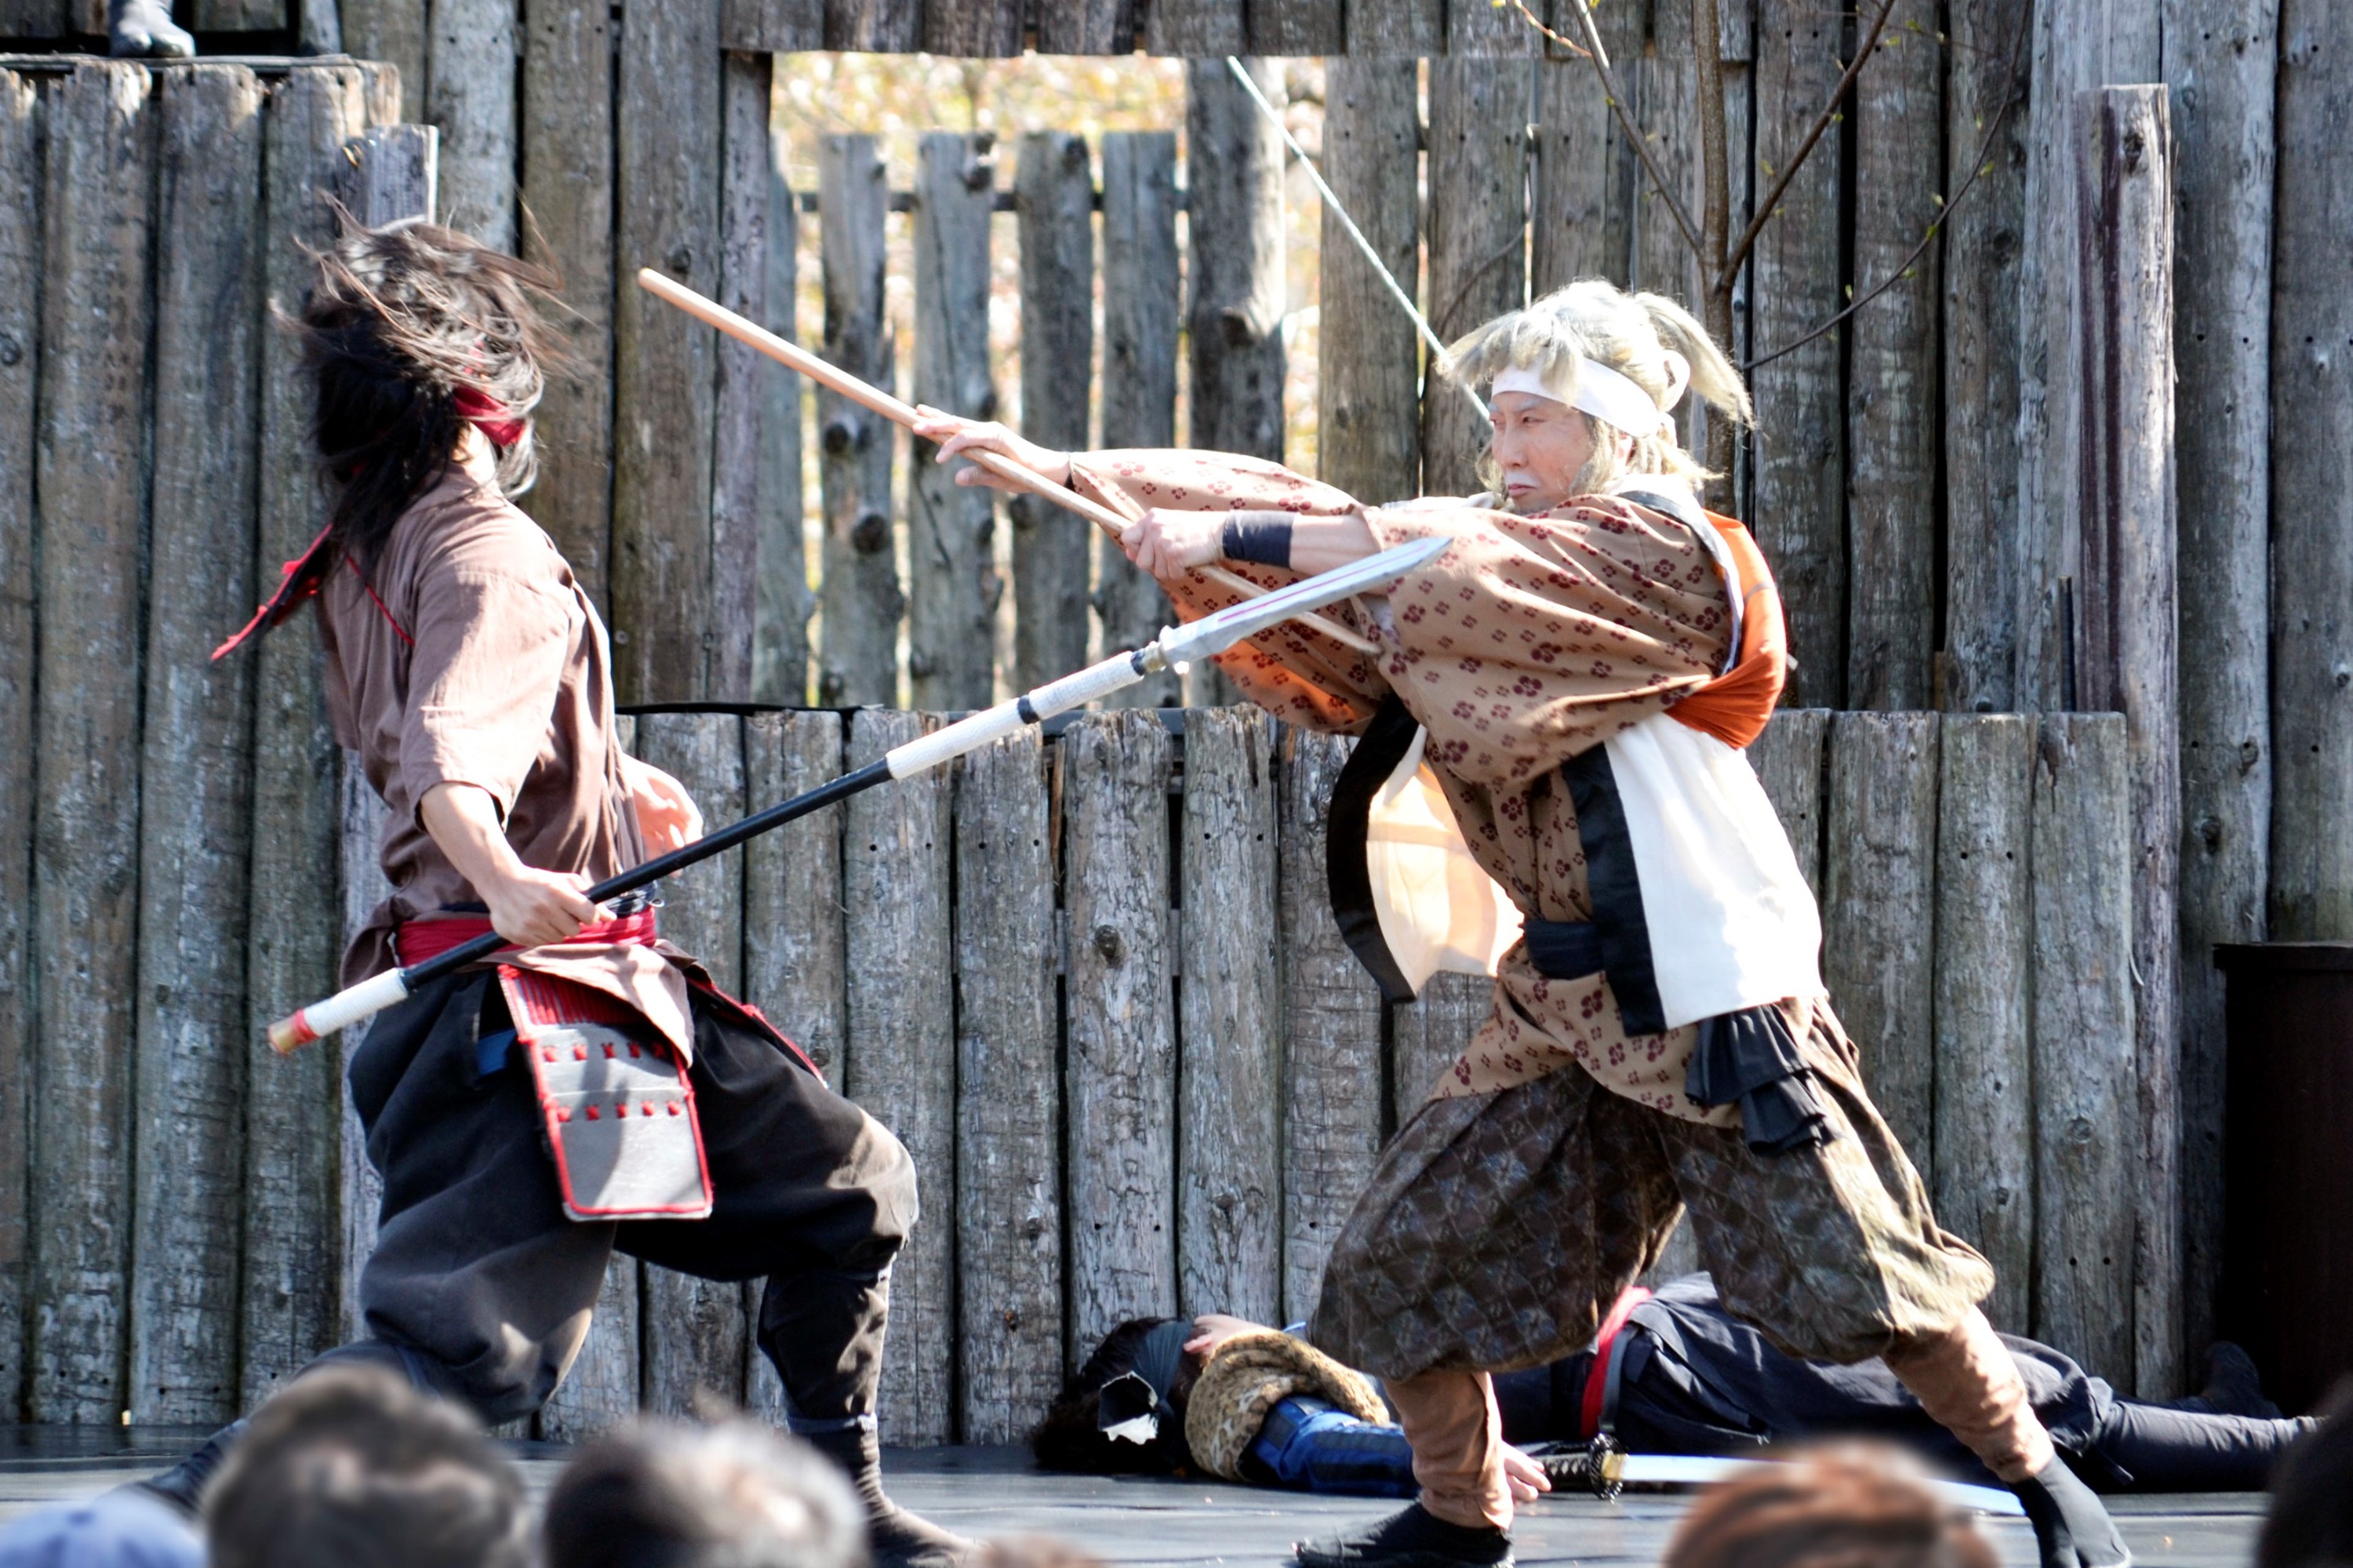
[(1607, 394)]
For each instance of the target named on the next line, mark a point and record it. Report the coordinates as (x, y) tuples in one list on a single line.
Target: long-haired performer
[(592, 1088), (1572, 681)]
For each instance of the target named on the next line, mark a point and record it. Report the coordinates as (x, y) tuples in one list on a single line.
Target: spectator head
[(1071, 1438), (1845, 1506), (2311, 1522), (354, 1466), (658, 1494), (126, 1528)]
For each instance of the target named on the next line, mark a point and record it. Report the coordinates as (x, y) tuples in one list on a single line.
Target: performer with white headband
[(1549, 786)]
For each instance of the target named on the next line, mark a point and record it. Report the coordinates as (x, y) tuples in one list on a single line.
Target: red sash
[(415, 941)]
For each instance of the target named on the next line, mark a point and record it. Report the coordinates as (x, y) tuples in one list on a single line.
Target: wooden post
[(1369, 421), (663, 361), (1879, 914), (1477, 171), (1406, 28), (20, 359), (1086, 27), (568, 189), (1891, 413), (1586, 183), (195, 764), (1234, 224), (1332, 1089), (1787, 758), (1982, 1174), (972, 28), (2087, 1165), (771, 27), (695, 1331), (1054, 194), (738, 510), (1139, 222), (1491, 32), (901, 1049), (601, 1391), (1203, 31), (1665, 79), (293, 1307), (1982, 284), (2222, 61), (1230, 1111), (780, 667), (873, 27), (1121, 1090), (1293, 27), (469, 93), (393, 32), (863, 604), (1009, 1113)]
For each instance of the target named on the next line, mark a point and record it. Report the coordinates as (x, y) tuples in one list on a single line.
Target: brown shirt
[(468, 655)]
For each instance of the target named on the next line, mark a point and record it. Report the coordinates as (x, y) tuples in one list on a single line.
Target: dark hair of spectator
[(352, 1466), (1846, 1506), (398, 323), (2311, 1520), (658, 1494), (1069, 1438)]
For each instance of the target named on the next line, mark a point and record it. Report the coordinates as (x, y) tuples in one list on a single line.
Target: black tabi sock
[(1414, 1538)]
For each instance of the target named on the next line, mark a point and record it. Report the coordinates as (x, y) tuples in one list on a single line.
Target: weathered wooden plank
[(2085, 1099), (37, 19), (1332, 1089), (771, 27), (1234, 214), (1139, 397), (1369, 417), (1008, 1099), (1121, 1088), (1801, 462), (392, 169), (395, 33), (1477, 211), (696, 1329), (863, 604), (1582, 188), (748, 158), (902, 1053), (1429, 1034), (1982, 1175), (471, 94), (91, 478), (1787, 758), (880, 26), (1086, 27), (195, 763), (291, 1305), (601, 1390), (1982, 254), (567, 188), (1054, 194), (1491, 32), (1399, 30), (972, 28), (1891, 415), (1285, 27), (1203, 31), (20, 350), (780, 657), (668, 192), (1879, 913), (1665, 79), (2222, 61)]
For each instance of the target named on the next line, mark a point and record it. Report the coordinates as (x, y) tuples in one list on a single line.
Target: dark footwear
[(142, 29), (896, 1538), (2072, 1526), (2233, 1387), (1414, 1538), (183, 1486)]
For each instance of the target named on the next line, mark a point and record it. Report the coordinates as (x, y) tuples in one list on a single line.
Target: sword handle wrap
[(345, 1008)]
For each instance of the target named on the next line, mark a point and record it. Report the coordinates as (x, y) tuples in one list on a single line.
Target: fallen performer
[(1679, 1375), (1567, 688), (592, 1090)]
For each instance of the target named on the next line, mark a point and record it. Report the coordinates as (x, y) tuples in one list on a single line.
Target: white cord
[(1405, 301)]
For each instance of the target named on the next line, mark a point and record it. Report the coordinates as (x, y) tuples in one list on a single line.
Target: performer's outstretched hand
[(1524, 1476), (956, 435), (667, 818)]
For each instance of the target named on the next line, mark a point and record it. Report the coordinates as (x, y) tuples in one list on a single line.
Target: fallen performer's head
[(1143, 1367), (1850, 1505)]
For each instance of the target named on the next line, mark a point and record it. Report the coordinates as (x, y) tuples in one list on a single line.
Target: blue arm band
[(1263, 537)]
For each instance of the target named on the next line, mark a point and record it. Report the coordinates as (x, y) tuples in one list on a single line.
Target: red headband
[(489, 416)]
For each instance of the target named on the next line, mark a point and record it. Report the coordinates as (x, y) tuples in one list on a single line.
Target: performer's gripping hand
[(528, 906), (667, 818), (1169, 543), (1526, 1476), (956, 436)]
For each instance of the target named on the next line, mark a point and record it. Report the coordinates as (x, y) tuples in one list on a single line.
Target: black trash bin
[(2288, 1243)]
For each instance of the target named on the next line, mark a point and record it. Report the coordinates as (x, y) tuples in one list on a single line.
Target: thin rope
[(1405, 301)]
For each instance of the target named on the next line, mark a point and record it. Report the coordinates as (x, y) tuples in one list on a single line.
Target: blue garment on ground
[(1308, 1445), (120, 1528)]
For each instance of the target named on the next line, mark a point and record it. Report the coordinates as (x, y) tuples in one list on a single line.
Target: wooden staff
[(745, 331)]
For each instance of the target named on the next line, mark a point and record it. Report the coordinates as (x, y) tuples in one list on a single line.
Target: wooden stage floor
[(993, 1492)]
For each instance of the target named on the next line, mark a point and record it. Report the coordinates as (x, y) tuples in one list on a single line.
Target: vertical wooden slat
[(601, 1390), (1429, 1034), (393, 32), (771, 27), (1478, 210), (2085, 1095), (1121, 1088), (469, 93), (1139, 398), (567, 188), (1054, 194), (195, 814), (1284, 28), (901, 1049), (292, 1308), (1799, 465), (1403, 29), (1086, 27), (1891, 412), (863, 604), (1982, 1176), (748, 158), (1233, 181), (1332, 1089), (1008, 1112), (1369, 421), (20, 359), (877, 26), (1204, 31), (1583, 187), (1491, 32), (1230, 1111), (780, 671), (695, 1329), (1982, 256), (669, 217), (1879, 913), (1787, 758), (2222, 61), (1665, 78), (91, 478), (972, 28)]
